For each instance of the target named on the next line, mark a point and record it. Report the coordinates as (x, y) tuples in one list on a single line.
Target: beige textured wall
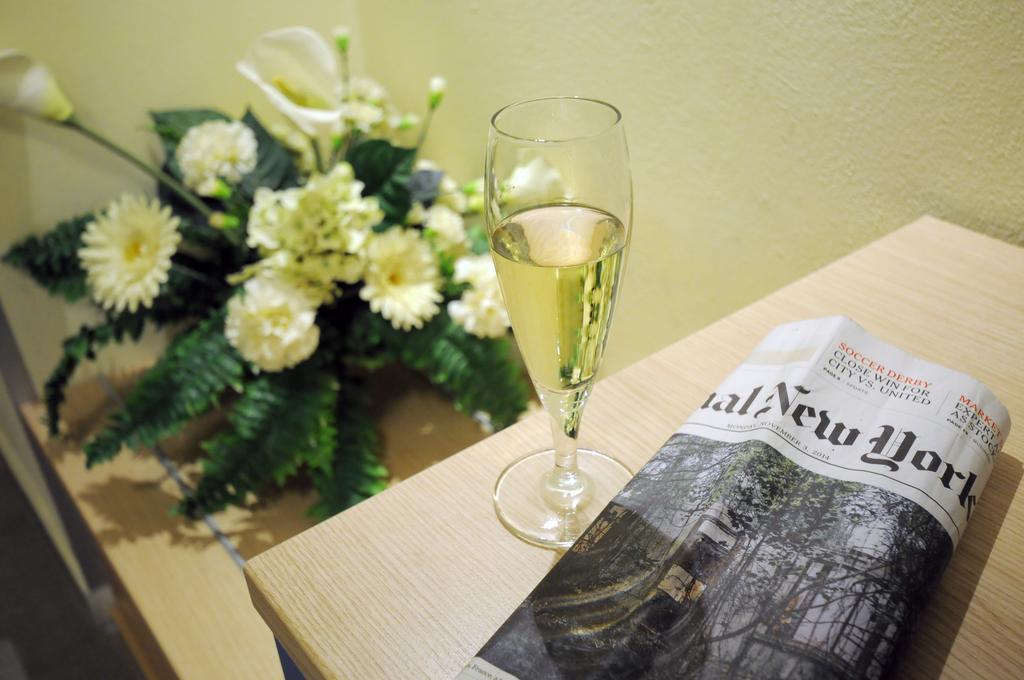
[(767, 138)]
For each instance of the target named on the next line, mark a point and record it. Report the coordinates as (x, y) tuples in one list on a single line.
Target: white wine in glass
[(559, 200)]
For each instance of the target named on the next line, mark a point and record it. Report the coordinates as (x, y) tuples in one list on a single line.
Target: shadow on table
[(940, 622), (134, 509), (418, 427)]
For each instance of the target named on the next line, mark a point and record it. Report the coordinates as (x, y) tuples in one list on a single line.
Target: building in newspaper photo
[(729, 560)]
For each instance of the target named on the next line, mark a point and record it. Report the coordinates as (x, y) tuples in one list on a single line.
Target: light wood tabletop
[(411, 583)]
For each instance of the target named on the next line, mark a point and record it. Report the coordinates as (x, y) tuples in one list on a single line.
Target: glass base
[(533, 504)]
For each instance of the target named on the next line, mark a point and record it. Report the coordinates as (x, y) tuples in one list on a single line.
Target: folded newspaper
[(793, 527)]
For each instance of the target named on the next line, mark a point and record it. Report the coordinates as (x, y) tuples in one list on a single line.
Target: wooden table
[(411, 583), (180, 599)]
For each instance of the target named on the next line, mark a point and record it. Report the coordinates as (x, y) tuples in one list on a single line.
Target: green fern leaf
[(185, 383), (478, 373), (281, 421), (81, 346), (356, 472), (52, 259)]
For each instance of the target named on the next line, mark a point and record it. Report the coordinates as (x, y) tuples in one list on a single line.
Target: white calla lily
[(28, 86), (298, 72)]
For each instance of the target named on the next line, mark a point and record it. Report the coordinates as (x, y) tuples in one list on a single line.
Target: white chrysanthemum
[(481, 309), (272, 323), (216, 149), (127, 252), (447, 226), (402, 278)]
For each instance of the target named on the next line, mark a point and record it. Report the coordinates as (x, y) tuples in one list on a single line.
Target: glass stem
[(566, 489), (565, 446)]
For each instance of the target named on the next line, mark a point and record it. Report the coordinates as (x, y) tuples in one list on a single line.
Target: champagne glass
[(559, 210)]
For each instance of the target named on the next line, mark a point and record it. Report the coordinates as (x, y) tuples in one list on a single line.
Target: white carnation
[(447, 225), (127, 252), (402, 278), (216, 149), (481, 309), (272, 323), (476, 270), (481, 312)]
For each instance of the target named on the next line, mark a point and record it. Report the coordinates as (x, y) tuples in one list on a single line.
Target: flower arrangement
[(294, 259)]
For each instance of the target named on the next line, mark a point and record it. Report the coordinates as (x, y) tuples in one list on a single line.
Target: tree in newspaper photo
[(729, 559)]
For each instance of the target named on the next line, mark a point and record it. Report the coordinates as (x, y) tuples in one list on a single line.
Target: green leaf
[(479, 373), (202, 234), (275, 167), (477, 236), (394, 198), (84, 345), (385, 171), (281, 421), (375, 161), (184, 296), (185, 383), (52, 259), (356, 472)]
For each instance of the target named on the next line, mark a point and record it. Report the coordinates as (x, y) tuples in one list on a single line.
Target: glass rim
[(614, 124)]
